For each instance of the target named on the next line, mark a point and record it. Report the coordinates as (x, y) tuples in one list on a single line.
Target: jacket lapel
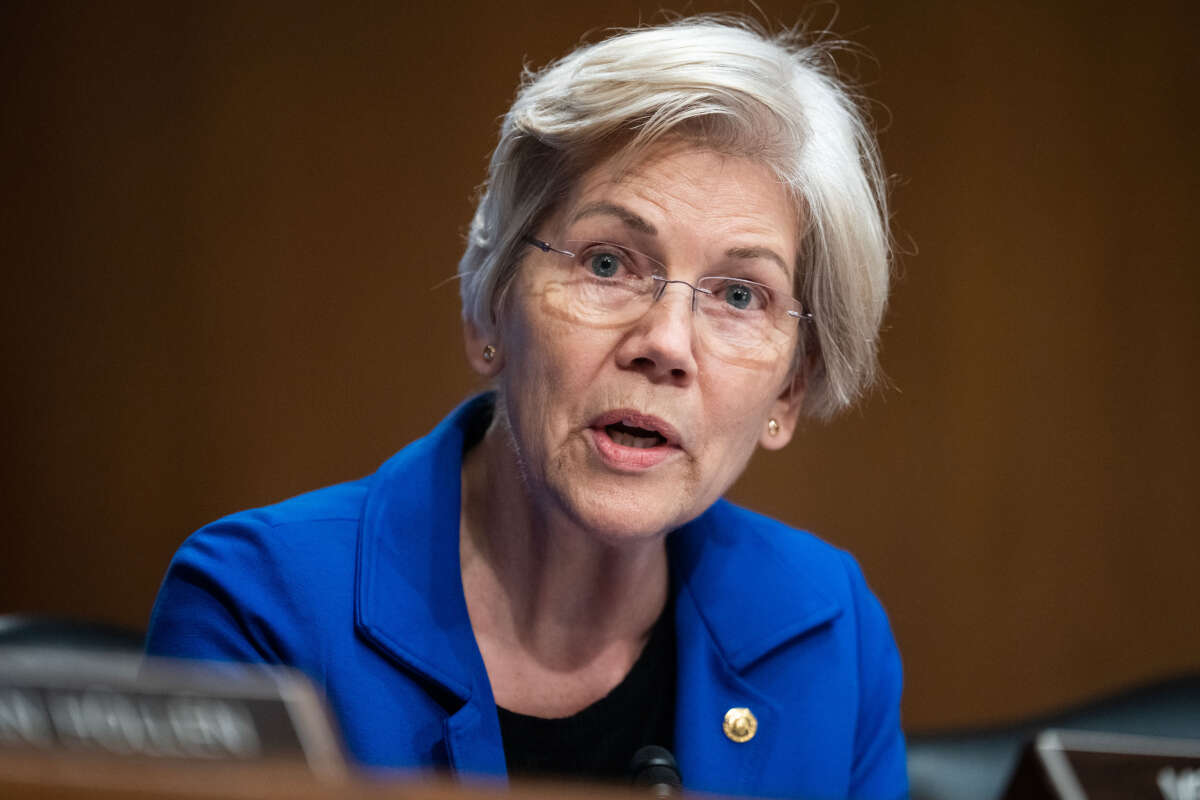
[(409, 601), (737, 601)]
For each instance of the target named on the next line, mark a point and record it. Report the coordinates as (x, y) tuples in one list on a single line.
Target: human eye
[(609, 261), (603, 264), (740, 295)]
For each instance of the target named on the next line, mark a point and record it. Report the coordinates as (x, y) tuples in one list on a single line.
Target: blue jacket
[(358, 585)]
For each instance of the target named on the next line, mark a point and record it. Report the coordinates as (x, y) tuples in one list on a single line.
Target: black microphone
[(654, 767)]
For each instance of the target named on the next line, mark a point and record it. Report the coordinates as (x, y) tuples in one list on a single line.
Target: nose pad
[(659, 294), (662, 288)]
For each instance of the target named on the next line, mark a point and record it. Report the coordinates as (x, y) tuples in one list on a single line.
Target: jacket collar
[(751, 595), (752, 591), (409, 598)]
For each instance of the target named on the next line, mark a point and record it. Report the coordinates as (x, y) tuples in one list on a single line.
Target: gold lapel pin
[(740, 725)]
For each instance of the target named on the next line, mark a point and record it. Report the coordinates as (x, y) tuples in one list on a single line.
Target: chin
[(619, 516)]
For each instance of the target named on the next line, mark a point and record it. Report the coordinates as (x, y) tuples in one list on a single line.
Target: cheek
[(737, 410), (546, 360), (547, 372), (551, 349), (740, 399)]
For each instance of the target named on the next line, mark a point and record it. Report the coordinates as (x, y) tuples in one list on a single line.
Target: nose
[(661, 345)]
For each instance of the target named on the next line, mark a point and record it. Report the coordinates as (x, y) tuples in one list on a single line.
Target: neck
[(539, 582)]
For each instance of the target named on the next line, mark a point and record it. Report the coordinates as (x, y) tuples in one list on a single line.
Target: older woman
[(681, 248)]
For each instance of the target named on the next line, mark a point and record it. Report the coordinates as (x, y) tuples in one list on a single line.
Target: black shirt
[(598, 742)]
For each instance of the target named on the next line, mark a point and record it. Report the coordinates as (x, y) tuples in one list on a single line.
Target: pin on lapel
[(740, 725)]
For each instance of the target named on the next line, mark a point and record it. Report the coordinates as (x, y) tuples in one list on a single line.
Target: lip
[(625, 458)]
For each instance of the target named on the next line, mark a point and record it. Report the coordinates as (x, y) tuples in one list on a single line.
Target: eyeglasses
[(606, 284)]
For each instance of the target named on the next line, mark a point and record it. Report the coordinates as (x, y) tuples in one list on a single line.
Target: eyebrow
[(626, 216), (638, 223), (758, 252)]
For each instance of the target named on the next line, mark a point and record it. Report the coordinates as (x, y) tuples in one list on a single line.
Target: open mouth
[(630, 436), (628, 440)]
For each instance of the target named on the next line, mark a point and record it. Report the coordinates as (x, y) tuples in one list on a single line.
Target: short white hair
[(725, 84)]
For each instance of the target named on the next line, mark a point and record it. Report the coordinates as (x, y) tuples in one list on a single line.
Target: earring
[(772, 427), (489, 353)]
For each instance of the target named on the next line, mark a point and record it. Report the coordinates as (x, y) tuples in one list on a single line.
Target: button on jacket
[(358, 585)]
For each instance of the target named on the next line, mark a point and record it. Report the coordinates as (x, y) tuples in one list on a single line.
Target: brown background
[(226, 230)]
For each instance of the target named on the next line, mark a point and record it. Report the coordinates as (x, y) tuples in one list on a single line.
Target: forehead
[(678, 190)]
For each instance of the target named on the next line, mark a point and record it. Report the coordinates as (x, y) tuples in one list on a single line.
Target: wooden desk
[(39, 777)]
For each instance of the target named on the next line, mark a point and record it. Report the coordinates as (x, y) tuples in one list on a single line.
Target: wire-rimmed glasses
[(606, 284)]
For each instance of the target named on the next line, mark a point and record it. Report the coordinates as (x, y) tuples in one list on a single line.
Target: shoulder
[(307, 527), (340, 502), (781, 554), (278, 583), (785, 555), (246, 586), (759, 584)]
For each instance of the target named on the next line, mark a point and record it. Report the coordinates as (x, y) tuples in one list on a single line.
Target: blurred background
[(227, 231)]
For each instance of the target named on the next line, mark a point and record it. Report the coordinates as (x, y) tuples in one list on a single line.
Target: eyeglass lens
[(603, 285)]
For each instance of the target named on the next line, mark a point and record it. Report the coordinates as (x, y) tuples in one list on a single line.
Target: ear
[(476, 341), (786, 412)]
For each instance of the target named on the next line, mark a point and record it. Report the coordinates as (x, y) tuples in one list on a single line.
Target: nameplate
[(117, 706), (1076, 765)]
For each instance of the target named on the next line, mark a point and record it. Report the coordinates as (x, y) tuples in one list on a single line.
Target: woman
[(681, 248)]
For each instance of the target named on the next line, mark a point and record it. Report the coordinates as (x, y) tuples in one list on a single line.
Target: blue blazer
[(358, 585)]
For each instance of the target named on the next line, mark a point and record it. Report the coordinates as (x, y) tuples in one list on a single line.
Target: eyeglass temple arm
[(546, 247)]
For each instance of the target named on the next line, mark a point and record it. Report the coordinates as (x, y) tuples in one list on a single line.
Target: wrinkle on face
[(553, 299), (564, 369)]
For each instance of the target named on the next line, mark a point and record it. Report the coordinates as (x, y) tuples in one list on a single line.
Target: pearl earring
[(772, 427)]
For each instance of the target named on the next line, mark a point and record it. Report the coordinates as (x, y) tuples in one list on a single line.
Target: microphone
[(654, 767)]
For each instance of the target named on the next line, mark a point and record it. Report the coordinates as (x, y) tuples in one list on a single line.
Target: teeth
[(629, 440)]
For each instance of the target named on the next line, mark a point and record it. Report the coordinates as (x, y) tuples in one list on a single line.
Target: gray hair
[(729, 86)]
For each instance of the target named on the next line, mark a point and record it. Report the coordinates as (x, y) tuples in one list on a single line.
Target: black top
[(599, 742)]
